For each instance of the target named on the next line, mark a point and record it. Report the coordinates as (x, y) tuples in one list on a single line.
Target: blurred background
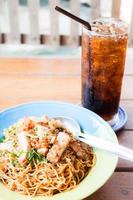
[(34, 28)]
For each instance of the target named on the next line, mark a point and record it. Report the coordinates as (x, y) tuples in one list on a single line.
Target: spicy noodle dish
[(38, 156)]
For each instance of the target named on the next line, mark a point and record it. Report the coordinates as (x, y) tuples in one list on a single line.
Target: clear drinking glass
[(103, 60)]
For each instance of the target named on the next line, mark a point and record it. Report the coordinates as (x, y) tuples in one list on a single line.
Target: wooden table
[(23, 80)]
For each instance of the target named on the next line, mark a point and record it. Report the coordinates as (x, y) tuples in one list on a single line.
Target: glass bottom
[(119, 119), (114, 121)]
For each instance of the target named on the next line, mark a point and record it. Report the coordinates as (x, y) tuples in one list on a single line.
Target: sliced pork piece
[(81, 149), (24, 145), (23, 140), (57, 149)]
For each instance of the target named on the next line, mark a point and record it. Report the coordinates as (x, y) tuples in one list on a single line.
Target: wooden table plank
[(127, 88), (118, 187), (39, 65), (33, 88), (66, 83), (49, 67), (125, 138), (128, 106)]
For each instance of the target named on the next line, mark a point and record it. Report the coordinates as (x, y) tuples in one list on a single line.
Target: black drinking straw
[(68, 14)]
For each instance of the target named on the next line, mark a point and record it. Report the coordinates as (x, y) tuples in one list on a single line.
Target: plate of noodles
[(40, 159)]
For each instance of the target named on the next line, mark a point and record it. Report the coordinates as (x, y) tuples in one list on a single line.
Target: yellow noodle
[(46, 179)]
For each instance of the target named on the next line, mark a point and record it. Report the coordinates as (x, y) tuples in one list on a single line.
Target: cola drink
[(103, 60)]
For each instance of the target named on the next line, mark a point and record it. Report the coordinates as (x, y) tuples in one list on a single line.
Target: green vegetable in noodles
[(34, 157), (2, 139)]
